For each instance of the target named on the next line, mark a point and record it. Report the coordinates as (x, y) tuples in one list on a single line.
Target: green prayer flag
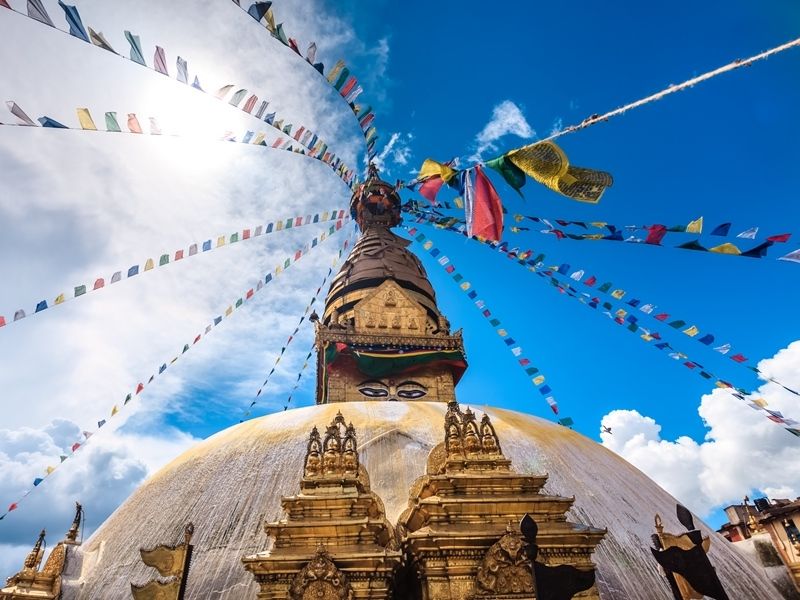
[(514, 176), (80, 290), (111, 122), (164, 260)]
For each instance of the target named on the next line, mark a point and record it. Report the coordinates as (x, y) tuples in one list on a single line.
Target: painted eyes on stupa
[(374, 392), (407, 390)]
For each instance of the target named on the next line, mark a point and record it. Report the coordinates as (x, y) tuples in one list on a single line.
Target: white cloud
[(396, 152), (558, 125), (76, 206), (742, 450), (507, 119)]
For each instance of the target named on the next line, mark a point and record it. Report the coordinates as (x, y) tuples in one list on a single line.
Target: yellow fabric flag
[(220, 241), (278, 225), (622, 313), (431, 168), (149, 264), (760, 402), (598, 224), (726, 248), (618, 294), (691, 331), (546, 163), (333, 74), (114, 410), (458, 201), (695, 226), (647, 337), (465, 286), (228, 311), (538, 380), (502, 332), (85, 119), (59, 299), (259, 138), (49, 470), (593, 236), (518, 217)]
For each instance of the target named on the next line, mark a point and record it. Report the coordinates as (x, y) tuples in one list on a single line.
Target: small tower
[(382, 336)]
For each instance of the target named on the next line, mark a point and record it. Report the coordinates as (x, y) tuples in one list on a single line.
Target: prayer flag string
[(115, 410), (525, 363), (250, 138), (648, 308), (622, 317), (339, 76), (238, 99), (180, 254), (291, 337)]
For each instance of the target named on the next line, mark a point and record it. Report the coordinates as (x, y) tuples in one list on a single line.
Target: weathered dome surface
[(230, 484)]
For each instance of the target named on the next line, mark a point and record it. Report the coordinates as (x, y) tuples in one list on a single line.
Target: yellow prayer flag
[(114, 410), (278, 225), (465, 286), (49, 470), (458, 201), (760, 402), (59, 299), (695, 226), (726, 248), (428, 245), (621, 312), (618, 294), (228, 311), (149, 264), (598, 224), (538, 380), (647, 337), (431, 168), (502, 332), (518, 217), (691, 331), (259, 138), (546, 163), (220, 241), (593, 236), (85, 119)]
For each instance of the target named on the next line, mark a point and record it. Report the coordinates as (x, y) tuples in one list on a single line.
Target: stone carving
[(505, 569), (320, 580), (391, 299)]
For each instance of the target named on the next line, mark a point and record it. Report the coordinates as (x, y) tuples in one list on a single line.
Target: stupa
[(388, 487)]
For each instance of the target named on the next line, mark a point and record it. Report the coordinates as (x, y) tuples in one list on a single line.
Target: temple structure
[(388, 488)]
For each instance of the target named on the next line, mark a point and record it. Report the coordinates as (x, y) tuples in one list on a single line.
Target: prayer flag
[(237, 97), (80, 290), (98, 283), (183, 70), (134, 270), (567, 422), (707, 339), (85, 119), (431, 187), (111, 122), (133, 124), (749, 234), (19, 113), (37, 11), (783, 237), (41, 306), (48, 122), (724, 349), (793, 256), (258, 10), (513, 175), (726, 248), (546, 163), (487, 217), (149, 264), (74, 21), (98, 40), (164, 260), (618, 294), (154, 128), (722, 229), (590, 281), (37, 481), (695, 226), (691, 331), (759, 251), (739, 358), (160, 61), (655, 234), (136, 48), (59, 299)]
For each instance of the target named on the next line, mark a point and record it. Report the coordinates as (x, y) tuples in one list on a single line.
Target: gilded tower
[(382, 336)]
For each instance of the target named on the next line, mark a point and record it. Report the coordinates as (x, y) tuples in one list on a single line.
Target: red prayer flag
[(13, 505), (655, 234), (75, 446), (783, 237), (2, 321), (178, 254), (662, 317), (524, 362), (249, 293), (99, 283), (139, 388), (430, 187), (197, 339), (487, 211), (4, 3), (590, 281), (348, 87), (246, 234), (740, 358)]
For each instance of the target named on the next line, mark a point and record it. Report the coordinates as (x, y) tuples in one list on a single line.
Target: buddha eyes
[(411, 394), (374, 392)]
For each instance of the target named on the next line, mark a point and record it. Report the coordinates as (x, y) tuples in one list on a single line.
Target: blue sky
[(435, 72)]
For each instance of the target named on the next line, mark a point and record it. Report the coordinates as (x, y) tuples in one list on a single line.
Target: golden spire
[(72, 534)]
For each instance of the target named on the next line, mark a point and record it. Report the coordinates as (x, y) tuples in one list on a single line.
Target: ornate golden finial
[(659, 524), (34, 558), (72, 534)]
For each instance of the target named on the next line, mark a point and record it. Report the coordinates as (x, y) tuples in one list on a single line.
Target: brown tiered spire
[(382, 336)]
